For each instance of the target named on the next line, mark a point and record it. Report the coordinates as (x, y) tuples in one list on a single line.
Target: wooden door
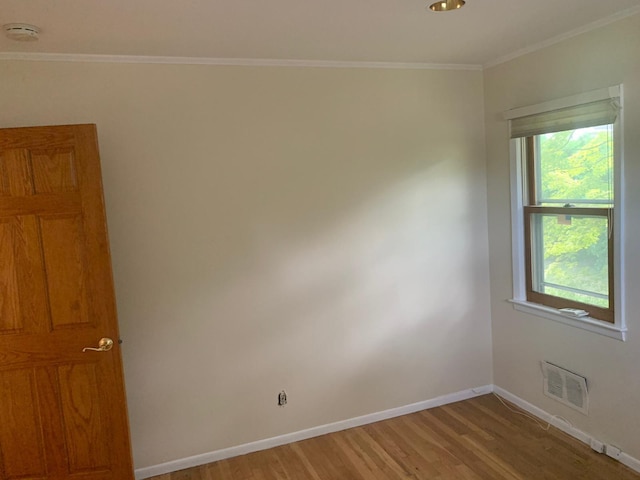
[(62, 411)]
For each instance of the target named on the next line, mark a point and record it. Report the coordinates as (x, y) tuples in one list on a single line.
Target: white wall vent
[(565, 386)]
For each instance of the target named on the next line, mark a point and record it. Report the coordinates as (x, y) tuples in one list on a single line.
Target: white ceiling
[(400, 31)]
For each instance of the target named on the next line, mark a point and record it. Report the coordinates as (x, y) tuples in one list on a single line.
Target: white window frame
[(618, 329)]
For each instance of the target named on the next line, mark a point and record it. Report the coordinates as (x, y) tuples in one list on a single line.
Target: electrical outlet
[(282, 398)]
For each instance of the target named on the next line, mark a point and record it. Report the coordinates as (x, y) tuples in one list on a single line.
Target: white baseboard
[(624, 458), (631, 462), (216, 455)]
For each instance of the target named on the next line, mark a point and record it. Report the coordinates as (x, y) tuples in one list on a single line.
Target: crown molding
[(241, 62), (564, 36), (257, 62)]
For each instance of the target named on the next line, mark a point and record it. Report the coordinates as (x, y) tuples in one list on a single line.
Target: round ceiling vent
[(21, 32)]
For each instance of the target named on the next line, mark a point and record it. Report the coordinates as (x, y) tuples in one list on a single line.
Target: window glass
[(575, 167), (570, 257)]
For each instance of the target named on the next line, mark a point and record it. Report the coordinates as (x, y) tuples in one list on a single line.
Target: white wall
[(601, 58), (319, 230)]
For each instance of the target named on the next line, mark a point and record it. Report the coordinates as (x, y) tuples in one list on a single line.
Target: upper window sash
[(583, 152)]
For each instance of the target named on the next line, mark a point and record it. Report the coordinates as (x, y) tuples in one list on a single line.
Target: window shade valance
[(602, 112), (587, 109)]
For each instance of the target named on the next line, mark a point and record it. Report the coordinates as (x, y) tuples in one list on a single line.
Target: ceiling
[(398, 31)]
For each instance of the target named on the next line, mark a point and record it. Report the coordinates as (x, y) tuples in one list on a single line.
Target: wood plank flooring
[(470, 440)]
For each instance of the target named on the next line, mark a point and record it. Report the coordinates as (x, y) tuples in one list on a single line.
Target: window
[(565, 206), (567, 220)]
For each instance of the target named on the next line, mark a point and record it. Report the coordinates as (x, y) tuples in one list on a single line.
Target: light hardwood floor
[(474, 439)]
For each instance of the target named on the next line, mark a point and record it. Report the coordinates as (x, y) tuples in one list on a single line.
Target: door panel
[(65, 260), (4, 177), (10, 316), (63, 410), (18, 170), (84, 421), (23, 450), (54, 171), (21, 278)]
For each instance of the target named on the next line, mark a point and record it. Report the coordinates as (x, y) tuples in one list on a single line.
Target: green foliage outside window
[(576, 167)]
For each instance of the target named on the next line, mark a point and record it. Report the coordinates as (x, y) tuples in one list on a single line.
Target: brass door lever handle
[(104, 345)]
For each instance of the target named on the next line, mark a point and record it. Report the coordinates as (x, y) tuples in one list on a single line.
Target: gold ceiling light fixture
[(447, 5)]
